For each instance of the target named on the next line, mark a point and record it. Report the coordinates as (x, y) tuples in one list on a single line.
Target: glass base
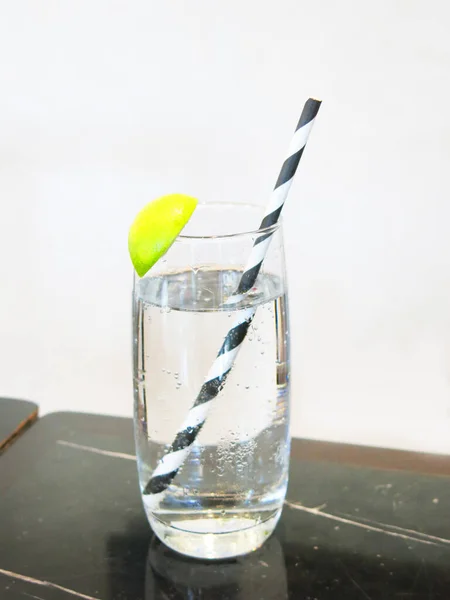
[(218, 541)]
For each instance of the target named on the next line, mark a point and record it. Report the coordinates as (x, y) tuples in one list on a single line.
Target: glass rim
[(254, 232)]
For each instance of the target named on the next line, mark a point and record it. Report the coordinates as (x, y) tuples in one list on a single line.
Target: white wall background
[(107, 104)]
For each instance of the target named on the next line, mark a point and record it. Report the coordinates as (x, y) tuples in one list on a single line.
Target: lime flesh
[(156, 227)]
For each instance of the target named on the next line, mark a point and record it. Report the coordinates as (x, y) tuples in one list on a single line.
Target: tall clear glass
[(227, 497)]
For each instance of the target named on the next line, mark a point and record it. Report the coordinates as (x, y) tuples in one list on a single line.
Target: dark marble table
[(359, 524), (15, 418)]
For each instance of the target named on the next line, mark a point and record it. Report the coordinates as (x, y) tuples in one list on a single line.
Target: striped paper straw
[(171, 462)]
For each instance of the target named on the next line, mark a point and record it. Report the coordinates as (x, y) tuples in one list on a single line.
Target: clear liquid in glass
[(228, 495)]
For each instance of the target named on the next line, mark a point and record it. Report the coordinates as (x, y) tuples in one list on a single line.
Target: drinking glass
[(222, 481)]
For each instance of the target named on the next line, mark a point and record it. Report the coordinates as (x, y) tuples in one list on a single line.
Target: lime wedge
[(156, 227)]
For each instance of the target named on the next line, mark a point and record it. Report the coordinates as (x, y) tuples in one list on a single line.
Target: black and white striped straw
[(172, 461)]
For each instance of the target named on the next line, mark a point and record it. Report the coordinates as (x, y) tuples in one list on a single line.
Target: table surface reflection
[(358, 523)]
